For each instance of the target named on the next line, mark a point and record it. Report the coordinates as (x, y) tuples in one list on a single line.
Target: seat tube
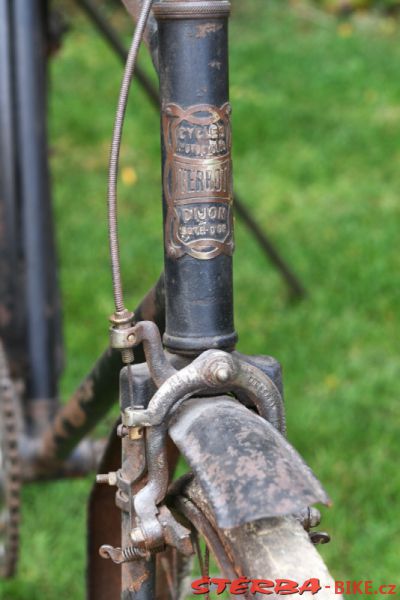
[(196, 174)]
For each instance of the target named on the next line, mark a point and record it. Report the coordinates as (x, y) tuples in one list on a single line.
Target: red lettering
[(201, 586), (357, 587), (339, 587), (391, 592), (311, 585), (262, 586), (239, 586), (285, 587), (368, 588), (221, 584)]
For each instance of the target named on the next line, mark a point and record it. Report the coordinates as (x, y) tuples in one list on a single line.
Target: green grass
[(317, 157)]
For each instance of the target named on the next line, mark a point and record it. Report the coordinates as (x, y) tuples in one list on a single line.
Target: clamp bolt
[(109, 479), (120, 322), (122, 431)]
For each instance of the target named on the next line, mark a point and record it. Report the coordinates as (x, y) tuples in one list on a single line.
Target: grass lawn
[(317, 157)]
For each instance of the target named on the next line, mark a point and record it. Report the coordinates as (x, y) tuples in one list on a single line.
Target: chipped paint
[(206, 29)]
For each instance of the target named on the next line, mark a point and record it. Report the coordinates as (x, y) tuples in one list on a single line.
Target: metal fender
[(246, 468)]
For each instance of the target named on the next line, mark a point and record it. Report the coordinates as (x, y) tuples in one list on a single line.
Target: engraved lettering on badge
[(198, 181)]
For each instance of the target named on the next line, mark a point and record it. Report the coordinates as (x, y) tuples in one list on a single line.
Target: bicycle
[(223, 411)]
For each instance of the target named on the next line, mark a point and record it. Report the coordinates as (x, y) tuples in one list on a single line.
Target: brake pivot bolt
[(222, 375)]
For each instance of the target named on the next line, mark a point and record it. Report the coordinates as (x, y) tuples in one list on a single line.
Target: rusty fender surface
[(247, 469)]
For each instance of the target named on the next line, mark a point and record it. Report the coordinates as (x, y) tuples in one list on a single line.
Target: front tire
[(277, 548)]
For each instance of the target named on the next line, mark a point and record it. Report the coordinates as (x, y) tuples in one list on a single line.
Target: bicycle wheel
[(268, 549)]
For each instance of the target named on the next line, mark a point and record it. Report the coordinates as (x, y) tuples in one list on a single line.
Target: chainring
[(10, 471)]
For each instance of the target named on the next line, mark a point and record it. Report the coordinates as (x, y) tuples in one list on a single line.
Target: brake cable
[(122, 318)]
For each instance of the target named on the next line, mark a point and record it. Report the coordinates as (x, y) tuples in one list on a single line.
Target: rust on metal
[(147, 333), (74, 420), (237, 455), (198, 181), (103, 578), (96, 394), (207, 529), (137, 573), (212, 372)]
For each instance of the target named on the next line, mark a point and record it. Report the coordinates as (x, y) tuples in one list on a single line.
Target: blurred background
[(315, 90)]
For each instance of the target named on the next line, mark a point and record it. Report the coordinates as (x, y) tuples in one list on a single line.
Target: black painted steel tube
[(32, 153), (10, 313), (111, 35), (197, 183)]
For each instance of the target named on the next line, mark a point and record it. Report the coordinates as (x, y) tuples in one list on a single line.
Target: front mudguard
[(246, 468)]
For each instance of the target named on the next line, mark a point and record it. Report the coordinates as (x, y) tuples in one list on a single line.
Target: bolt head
[(122, 431), (222, 375), (218, 368), (110, 479), (137, 536), (101, 478)]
